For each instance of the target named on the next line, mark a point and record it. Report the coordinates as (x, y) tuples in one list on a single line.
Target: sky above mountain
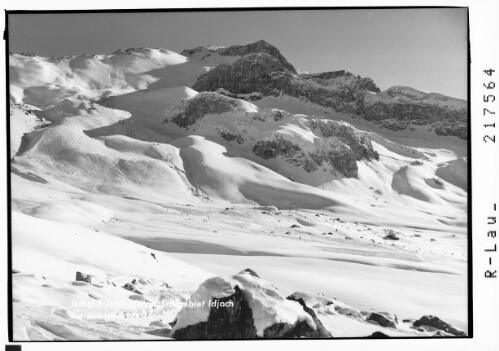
[(422, 48)]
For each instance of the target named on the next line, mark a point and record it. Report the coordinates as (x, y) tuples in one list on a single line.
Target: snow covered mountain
[(219, 155)]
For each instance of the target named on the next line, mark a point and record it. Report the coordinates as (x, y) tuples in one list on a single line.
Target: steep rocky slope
[(262, 69)]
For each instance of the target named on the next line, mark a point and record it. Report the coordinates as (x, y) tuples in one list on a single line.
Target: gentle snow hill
[(42, 80), (149, 103)]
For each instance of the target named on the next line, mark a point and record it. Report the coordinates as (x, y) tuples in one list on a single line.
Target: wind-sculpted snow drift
[(145, 176)]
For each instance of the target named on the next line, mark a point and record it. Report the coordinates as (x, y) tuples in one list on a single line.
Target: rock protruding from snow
[(340, 148), (383, 319), (82, 277), (213, 288), (343, 81), (391, 235), (189, 111), (320, 330), (234, 322), (264, 73), (255, 309), (436, 323), (250, 271), (398, 107)]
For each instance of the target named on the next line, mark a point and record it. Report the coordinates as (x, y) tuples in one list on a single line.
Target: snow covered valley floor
[(181, 245)]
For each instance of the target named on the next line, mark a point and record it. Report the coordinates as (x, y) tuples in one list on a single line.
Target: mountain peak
[(260, 46)]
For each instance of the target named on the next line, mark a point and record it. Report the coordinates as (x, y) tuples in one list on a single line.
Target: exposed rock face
[(223, 323), (343, 81), (437, 323), (82, 277), (358, 142), (132, 287), (343, 146), (266, 74), (336, 153), (396, 107), (382, 319), (271, 148), (260, 46), (188, 112), (258, 72), (229, 136), (321, 331)]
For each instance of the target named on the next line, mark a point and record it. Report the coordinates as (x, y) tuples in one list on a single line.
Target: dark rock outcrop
[(358, 142), (259, 46), (271, 148), (320, 332), (229, 136), (188, 112), (398, 107), (343, 147), (265, 74), (223, 323), (131, 287), (382, 319), (258, 72), (82, 277), (437, 323)]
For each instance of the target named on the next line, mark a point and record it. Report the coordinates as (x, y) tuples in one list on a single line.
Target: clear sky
[(422, 48)]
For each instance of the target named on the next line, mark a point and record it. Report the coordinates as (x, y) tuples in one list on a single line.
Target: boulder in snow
[(437, 323), (383, 319), (82, 277), (391, 235), (252, 308)]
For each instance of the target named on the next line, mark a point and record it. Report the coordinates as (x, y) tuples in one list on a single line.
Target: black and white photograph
[(240, 174)]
